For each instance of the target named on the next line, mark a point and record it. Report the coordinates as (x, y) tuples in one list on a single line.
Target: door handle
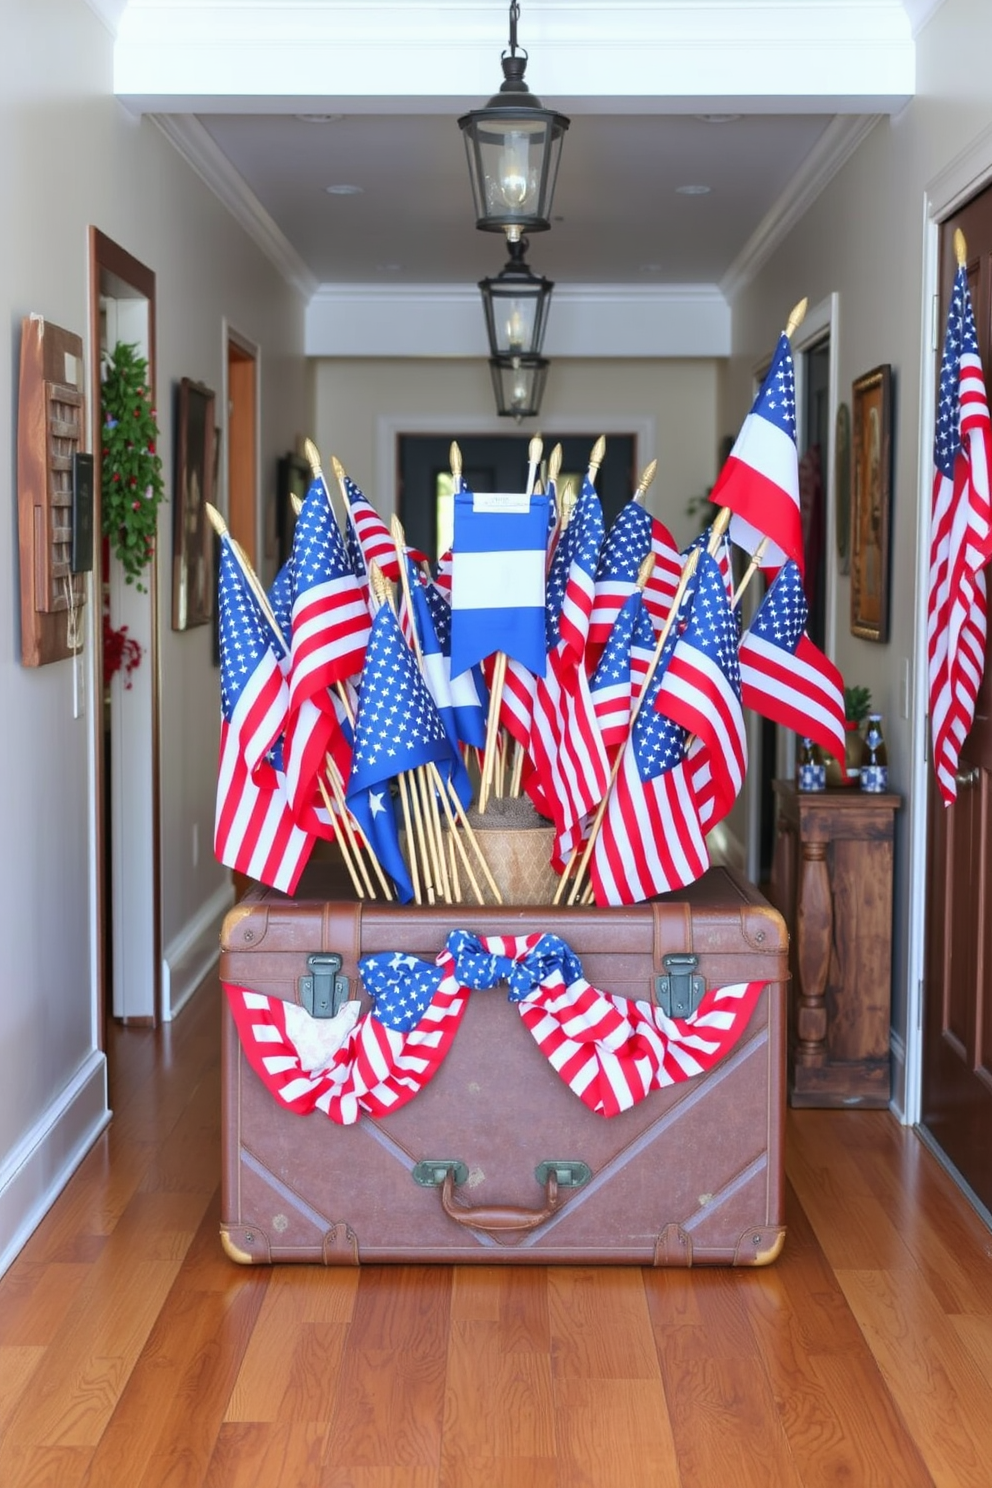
[(964, 778)]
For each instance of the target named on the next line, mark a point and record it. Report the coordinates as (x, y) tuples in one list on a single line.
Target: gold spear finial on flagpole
[(596, 457), (960, 248), (313, 456), (554, 463), (337, 467), (645, 571), (455, 459), (296, 502), (797, 317), (215, 519), (646, 478), (534, 451)]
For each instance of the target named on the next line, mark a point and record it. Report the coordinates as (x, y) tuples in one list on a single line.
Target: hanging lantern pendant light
[(518, 382), (516, 303), (513, 146)]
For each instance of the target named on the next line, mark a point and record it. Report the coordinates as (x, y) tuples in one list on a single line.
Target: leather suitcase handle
[(498, 1217)]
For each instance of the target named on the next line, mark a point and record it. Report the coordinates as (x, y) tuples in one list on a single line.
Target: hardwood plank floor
[(134, 1354)]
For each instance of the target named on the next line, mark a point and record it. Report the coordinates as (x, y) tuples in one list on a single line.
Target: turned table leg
[(814, 936)]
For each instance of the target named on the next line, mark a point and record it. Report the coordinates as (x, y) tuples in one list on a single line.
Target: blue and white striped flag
[(497, 579)]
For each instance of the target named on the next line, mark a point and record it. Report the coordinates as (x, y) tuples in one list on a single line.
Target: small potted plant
[(857, 706)]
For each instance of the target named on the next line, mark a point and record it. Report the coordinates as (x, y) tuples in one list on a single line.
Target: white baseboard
[(35, 1173), (190, 954), (897, 1051)]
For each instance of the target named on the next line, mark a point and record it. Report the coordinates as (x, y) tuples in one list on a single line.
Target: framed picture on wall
[(871, 504), (193, 574)]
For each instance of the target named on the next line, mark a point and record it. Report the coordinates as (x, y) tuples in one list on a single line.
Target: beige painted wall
[(71, 156), (864, 238), (675, 400)]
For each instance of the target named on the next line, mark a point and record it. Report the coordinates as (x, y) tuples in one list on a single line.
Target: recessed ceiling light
[(557, 219), (320, 118), (343, 189), (693, 190), (718, 118), (388, 268), (650, 268)]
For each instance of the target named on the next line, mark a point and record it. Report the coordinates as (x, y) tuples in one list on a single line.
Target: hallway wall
[(70, 155), (864, 237)]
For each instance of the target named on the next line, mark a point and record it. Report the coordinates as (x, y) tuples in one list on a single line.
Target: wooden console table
[(832, 882)]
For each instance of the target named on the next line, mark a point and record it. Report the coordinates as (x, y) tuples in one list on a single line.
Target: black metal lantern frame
[(516, 304), (513, 146), (518, 383)]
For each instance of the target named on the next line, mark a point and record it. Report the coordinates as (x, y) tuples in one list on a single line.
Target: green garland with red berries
[(131, 468)]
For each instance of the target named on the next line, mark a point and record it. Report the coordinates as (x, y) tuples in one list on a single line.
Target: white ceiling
[(229, 79)]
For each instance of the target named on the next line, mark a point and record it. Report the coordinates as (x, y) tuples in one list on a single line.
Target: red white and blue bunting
[(611, 1051)]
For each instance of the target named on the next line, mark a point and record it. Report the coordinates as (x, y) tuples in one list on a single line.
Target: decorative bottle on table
[(811, 772), (874, 758)]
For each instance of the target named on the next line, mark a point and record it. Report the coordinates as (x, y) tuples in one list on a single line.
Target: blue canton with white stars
[(318, 548), (781, 616), (712, 626), (245, 636), (280, 598), (776, 400), (627, 545), (960, 338), (398, 726), (658, 742), (631, 627)]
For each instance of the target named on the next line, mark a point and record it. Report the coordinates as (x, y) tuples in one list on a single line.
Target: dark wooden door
[(957, 1052)]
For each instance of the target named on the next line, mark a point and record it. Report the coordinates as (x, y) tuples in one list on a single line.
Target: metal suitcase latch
[(325, 991), (679, 993)]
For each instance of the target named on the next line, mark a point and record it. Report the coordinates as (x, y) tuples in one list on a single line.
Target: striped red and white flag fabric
[(784, 676), (652, 838), (610, 1051), (760, 480), (571, 771), (701, 685), (960, 541), (254, 829), (618, 680), (374, 537)]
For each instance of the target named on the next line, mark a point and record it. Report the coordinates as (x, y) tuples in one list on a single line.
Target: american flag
[(330, 618), (254, 830), (280, 597), (651, 839), (571, 771), (373, 536), (635, 533), (462, 702), (760, 481), (618, 680), (330, 630), (784, 676), (397, 729), (960, 540), (701, 685), (611, 1051)]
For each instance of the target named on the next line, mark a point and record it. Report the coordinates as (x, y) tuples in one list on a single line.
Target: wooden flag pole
[(343, 843), (720, 524), (383, 592), (411, 839), (446, 785), (351, 829), (456, 841)]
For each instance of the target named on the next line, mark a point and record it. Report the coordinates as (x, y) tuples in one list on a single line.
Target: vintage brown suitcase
[(497, 1159)]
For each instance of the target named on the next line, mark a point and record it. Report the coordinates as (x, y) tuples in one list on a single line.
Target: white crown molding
[(197, 148), (390, 55), (586, 320), (919, 12), (109, 12), (833, 149)]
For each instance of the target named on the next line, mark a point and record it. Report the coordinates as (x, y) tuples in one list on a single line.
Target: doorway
[(956, 1109), (497, 462), (125, 718), (242, 445)]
